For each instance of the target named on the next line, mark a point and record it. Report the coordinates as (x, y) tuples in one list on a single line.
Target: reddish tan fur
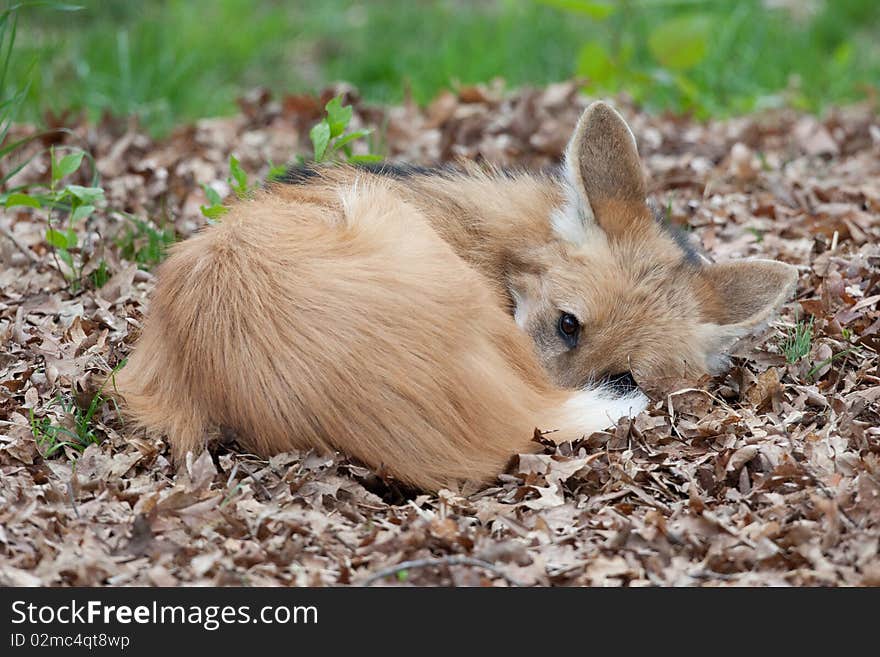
[(296, 325), (376, 316)]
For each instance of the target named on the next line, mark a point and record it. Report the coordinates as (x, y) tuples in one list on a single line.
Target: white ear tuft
[(574, 221)]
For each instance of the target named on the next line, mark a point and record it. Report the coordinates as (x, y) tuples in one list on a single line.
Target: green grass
[(798, 340), (144, 243), (77, 432), (175, 60)]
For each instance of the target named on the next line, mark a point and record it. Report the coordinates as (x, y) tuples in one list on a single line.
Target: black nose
[(623, 382)]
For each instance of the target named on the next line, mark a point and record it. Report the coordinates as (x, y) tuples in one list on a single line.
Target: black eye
[(568, 328)]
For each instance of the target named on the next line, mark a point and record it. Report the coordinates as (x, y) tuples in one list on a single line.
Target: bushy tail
[(212, 351), (165, 384), (156, 397)]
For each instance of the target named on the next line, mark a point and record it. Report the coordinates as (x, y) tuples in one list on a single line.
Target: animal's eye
[(569, 327)]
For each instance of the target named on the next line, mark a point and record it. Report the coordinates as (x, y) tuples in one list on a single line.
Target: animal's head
[(617, 292)]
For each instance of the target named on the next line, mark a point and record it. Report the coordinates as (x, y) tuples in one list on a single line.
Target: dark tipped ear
[(745, 294), (602, 163)]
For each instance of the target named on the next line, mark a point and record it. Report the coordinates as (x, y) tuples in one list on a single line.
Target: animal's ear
[(745, 293), (603, 167), (738, 298)]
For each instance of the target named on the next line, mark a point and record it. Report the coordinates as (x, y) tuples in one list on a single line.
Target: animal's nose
[(623, 382)]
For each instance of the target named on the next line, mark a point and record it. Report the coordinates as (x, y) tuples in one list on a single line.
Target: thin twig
[(452, 560), (21, 247), (261, 487)]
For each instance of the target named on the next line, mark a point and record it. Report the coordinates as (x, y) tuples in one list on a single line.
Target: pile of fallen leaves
[(769, 475)]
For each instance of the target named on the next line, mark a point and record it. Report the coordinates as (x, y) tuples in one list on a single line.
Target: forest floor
[(768, 475)]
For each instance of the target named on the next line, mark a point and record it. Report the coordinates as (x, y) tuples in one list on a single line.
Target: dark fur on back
[(299, 174), (302, 173), (681, 237)]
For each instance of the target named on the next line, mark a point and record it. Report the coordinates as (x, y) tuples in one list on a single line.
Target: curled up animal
[(427, 322)]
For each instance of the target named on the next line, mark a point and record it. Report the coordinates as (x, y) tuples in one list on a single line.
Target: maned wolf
[(428, 324)]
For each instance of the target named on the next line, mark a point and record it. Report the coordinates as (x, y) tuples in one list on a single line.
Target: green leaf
[(22, 199), (56, 238), (64, 254), (82, 212), (596, 10), (351, 136), (240, 186), (365, 159), (66, 165), (214, 211), (595, 63), (89, 195), (276, 172), (62, 240), (320, 136), (681, 43), (337, 116), (212, 195)]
